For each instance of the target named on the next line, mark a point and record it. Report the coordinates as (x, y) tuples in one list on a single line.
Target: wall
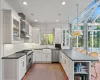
[(50, 26), (1, 45)]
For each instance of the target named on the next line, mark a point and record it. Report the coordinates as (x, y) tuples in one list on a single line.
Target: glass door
[(16, 30), (64, 38)]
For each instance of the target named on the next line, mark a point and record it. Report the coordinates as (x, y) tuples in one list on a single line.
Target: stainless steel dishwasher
[(55, 55)]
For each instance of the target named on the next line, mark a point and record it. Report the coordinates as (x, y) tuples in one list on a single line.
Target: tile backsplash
[(12, 48)]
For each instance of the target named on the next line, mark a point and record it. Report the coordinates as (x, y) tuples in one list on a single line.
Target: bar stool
[(83, 51), (95, 67), (94, 54), (77, 50)]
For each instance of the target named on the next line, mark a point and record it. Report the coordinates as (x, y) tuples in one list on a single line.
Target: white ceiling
[(48, 10)]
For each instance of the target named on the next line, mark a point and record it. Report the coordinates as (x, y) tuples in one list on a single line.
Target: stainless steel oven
[(29, 60)]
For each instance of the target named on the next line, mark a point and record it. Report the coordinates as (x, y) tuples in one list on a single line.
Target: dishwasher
[(55, 56)]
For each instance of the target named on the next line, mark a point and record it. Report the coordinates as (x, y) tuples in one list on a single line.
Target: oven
[(29, 60)]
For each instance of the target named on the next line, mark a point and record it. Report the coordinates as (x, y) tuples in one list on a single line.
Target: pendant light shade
[(77, 32)]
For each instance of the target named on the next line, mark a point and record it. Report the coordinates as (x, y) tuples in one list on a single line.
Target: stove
[(29, 58)]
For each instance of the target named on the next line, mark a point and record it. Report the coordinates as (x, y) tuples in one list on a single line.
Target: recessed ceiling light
[(63, 3), (35, 20), (24, 2), (57, 20)]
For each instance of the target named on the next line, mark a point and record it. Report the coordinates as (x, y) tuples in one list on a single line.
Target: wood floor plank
[(46, 71)]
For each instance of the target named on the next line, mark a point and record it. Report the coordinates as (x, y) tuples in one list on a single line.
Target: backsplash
[(12, 48)]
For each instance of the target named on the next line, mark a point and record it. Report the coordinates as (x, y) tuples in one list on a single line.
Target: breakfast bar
[(76, 64)]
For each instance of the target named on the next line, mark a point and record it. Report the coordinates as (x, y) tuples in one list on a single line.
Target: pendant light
[(77, 32)]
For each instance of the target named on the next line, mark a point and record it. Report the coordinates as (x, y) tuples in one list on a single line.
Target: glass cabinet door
[(66, 38), (16, 30), (63, 37)]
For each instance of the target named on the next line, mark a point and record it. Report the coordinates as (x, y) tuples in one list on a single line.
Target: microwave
[(58, 46)]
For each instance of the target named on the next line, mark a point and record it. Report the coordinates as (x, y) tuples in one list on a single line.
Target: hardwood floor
[(46, 72)]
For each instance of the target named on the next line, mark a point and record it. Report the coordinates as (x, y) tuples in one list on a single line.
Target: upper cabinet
[(66, 38), (57, 34), (28, 37), (11, 27), (36, 35)]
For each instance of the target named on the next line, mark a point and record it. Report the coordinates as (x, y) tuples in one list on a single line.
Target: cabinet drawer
[(38, 51)]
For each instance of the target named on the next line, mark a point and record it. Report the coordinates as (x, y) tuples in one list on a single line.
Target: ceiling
[(49, 10)]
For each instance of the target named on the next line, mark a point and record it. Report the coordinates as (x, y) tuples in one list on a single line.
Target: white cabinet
[(33, 57), (14, 69), (46, 58), (66, 38), (38, 56), (36, 36), (11, 27), (22, 67), (30, 30), (41, 57), (58, 37), (30, 34)]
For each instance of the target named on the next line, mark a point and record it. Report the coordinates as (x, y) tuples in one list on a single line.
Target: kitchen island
[(76, 65)]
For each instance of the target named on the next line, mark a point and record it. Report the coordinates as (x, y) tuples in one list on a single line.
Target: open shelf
[(81, 71)]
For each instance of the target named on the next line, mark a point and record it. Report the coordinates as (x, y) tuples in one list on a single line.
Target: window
[(47, 39), (80, 41), (74, 41), (77, 41), (89, 38), (94, 37)]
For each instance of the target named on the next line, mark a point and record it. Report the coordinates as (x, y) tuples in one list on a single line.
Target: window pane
[(50, 39), (80, 41), (89, 38), (96, 39), (47, 39), (74, 41), (79, 28)]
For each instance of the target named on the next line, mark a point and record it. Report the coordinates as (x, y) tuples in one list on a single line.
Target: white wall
[(1, 45), (50, 26)]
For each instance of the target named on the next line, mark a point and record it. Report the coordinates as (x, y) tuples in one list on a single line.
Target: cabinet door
[(38, 56), (30, 30), (22, 67), (65, 38), (33, 57), (48, 57), (36, 36), (44, 58), (58, 35)]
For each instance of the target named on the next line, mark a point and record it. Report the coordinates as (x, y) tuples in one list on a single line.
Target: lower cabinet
[(40, 57), (46, 58), (22, 66), (67, 65), (14, 69)]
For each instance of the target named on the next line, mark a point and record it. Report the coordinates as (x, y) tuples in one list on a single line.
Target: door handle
[(23, 64)]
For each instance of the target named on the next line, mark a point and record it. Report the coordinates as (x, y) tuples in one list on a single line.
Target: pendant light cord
[(77, 15)]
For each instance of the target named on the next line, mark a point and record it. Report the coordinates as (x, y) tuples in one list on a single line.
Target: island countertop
[(77, 56)]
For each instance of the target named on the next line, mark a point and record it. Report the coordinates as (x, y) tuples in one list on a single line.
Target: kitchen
[(28, 39)]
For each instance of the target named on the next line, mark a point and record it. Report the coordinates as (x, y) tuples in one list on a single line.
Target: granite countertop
[(14, 56), (77, 56)]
